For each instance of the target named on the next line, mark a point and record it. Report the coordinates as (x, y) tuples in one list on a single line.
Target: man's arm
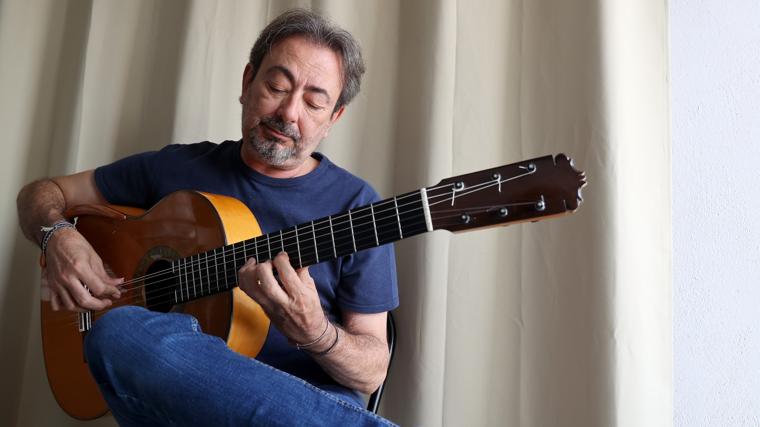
[(70, 260), (359, 359), (356, 354)]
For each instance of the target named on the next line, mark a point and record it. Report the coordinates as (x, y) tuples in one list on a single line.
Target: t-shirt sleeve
[(129, 181), (134, 180), (368, 278)]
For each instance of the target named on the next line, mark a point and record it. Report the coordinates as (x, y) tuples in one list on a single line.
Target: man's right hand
[(75, 277)]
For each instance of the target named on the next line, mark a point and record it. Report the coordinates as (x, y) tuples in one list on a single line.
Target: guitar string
[(171, 288), (204, 268), (259, 245), (236, 251), (234, 275), (165, 292), (96, 314), (340, 245), (276, 240), (189, 267), (447, 196), (365, 209)]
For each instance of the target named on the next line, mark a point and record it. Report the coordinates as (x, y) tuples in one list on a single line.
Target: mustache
[(280, 126)]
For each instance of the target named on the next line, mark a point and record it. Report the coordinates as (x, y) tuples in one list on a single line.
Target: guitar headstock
[(524, 191)]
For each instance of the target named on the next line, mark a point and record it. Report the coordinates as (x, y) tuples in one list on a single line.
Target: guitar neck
[(530, 190), (309, 243)]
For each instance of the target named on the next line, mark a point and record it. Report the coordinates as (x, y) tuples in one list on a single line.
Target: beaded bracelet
[(49, 231), (303, 346)]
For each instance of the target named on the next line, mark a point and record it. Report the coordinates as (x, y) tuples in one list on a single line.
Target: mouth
[(275, 133)]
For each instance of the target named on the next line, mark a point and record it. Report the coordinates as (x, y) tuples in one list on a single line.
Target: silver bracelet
[(49, 231)]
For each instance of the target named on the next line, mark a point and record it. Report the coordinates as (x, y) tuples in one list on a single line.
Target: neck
[(289, 170)]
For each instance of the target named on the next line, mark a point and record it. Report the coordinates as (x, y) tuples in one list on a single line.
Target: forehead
[(308, 62)]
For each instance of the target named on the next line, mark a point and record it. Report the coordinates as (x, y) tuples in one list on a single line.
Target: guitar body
[(133, 243)]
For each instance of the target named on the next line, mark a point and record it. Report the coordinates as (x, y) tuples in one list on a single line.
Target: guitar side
[(129, 241)]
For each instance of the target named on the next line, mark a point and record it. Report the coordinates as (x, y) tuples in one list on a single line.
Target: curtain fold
[(565, 322)]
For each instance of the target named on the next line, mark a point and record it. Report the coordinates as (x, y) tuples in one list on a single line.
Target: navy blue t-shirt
[(364, 282)]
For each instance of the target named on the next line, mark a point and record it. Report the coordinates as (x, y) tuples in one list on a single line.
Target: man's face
[(288, 106)]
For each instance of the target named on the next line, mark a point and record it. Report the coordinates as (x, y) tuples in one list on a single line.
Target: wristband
[(49, 231)]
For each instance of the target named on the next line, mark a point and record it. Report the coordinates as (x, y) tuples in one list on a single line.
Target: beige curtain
[(561, 323)]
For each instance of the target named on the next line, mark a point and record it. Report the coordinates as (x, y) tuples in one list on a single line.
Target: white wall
[(715, 81)]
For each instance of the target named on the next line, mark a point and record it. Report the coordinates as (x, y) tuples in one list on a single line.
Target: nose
[(288, 110)]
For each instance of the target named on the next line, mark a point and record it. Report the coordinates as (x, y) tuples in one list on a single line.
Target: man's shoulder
[(349, 182), (197, 149)]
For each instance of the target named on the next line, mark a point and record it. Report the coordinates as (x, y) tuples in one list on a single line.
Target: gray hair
[(301, 22)]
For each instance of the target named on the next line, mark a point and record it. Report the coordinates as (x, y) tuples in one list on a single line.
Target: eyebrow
[(292, 79)]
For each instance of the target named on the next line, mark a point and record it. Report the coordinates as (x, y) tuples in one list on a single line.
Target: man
[(302, 73)]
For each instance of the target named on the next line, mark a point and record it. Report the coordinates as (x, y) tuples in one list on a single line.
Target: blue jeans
[(160, 369)]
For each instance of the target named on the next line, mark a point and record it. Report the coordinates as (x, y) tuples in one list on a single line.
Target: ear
[(334, 118), (336, 115), (247, 81)]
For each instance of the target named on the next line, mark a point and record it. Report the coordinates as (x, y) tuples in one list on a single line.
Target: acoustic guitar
[(184, 253)]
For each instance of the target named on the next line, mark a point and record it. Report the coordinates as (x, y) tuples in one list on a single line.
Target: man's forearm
[(39, 203), (359, 362)]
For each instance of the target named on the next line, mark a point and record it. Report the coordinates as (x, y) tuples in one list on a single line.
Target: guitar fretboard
[(308, 243)]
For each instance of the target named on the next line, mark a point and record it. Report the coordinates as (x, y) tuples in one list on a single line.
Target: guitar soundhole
[(160, 286)]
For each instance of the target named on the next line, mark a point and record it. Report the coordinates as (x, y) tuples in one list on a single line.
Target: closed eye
[(275, 89)]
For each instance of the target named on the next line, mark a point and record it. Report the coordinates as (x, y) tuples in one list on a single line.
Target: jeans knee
[(108, 331), (134, 330)]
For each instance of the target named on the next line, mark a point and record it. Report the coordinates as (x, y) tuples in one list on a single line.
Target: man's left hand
[(292, 303)]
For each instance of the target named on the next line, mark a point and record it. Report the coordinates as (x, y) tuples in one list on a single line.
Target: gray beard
[(272, 152)]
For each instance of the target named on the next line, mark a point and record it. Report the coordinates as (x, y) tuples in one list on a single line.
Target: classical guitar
[(184, 253)]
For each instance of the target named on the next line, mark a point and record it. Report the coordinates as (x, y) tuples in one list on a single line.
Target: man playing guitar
[(327, 340)]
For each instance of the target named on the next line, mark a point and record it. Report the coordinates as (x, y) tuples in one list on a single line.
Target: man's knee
[(132, 329), (109, 330)]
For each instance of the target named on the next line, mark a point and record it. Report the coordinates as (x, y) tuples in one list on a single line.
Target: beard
[(273, 151)]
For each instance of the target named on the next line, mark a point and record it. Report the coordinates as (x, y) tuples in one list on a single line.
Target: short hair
[(301, 22)]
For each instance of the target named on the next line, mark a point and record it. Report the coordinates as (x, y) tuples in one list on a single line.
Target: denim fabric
[(158, 369)]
